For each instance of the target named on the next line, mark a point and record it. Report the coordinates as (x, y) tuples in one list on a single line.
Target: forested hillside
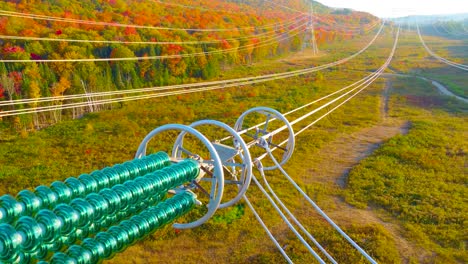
[(162, 43)]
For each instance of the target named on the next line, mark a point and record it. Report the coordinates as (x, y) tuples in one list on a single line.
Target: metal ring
[(291, 139), (246, 159), (217, 188)]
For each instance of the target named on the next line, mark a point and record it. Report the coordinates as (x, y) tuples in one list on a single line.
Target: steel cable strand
[(295, 220), (316, 207), (367, 81), (270, 235), (446, 61), (286, 221), (112, 24), (268, 34), (286, 74), (280, 75), (158, 57), (106, 101)]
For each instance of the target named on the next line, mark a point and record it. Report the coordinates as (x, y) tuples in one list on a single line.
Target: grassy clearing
[(412, 58), (102, 139), (420, 178)]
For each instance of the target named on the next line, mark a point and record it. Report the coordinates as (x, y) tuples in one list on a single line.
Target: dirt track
[(347, 151)]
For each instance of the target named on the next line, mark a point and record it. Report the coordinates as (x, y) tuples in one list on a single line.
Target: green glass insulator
[(51, 225), (62, 258), (69, 218), (121, 215), (156, 161), (154, 199), (77, 187), (109, 242), (10, 208), (170, 177), (161, 215), (132, 230), (31, 202), (170, 209), (10, 240), (42, 252), (112, 175), (111, 220), (94, 227), (122, 171), (31, 233), (83, 233), (193, 168), (125, 195), (22, 258), (101, 178), (100, 205), (137, 191), (143, 225), (112, 198), (141, 165), (82, 255), (56, 245), (48, 197), (146, 184), (90, 182), (122, 237), (157, 179), (64, 193), (85, 211), (95, 247), (132, 169), (105, 222), (160, 159), (69, 239), (153, 219)]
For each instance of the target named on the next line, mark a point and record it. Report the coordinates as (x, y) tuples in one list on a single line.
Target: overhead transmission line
[(448, 62), (449, 32), (346, 27), (358, 85), (202, 8), (317, 17), (179, 89), (184, 55), (362, 84), (113, 24), (188, 42), (345, 33)]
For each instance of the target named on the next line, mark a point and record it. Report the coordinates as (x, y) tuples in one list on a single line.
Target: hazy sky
[(396, 8)]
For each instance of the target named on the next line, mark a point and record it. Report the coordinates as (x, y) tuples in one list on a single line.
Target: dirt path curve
[(346, 152), (442, 89)]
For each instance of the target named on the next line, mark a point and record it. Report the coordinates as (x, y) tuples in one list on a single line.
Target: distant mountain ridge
[(425, 19)]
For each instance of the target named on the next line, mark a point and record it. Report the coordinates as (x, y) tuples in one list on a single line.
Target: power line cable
[(194, 42), (158, 57), (215, 85), (113, 24), (448, 62)]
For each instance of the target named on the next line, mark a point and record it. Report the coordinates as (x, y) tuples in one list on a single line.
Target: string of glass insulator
[(106, 244), (44, 250), (49, 226), (28, 202)]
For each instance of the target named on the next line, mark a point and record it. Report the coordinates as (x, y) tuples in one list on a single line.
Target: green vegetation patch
[(420, 179)]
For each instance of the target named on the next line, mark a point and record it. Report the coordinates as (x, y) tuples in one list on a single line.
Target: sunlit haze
[(398, 8)]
